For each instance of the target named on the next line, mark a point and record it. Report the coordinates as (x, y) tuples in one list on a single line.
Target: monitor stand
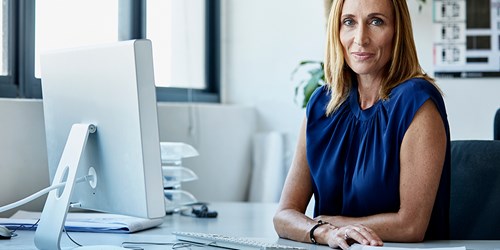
[(50, 227)]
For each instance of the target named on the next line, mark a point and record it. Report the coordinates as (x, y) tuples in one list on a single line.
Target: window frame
[(8, 86), (29, 85), (132, 25)]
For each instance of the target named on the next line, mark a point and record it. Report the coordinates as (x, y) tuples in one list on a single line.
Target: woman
[(374, 147)]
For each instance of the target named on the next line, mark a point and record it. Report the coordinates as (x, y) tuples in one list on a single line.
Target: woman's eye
[(348, 22), (377, 21)]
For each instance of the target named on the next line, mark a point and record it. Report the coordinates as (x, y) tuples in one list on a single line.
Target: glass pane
[(4, 38), (177, 31), (64, 24)]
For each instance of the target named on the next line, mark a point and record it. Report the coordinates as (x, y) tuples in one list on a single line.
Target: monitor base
[(100, 247)]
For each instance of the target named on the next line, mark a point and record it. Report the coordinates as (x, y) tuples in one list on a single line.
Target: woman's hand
[(345, 236)]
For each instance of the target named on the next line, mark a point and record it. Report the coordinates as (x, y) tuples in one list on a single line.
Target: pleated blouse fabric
[(354, 154)]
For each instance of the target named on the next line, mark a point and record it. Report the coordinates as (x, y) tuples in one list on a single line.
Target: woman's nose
[(361, 37)]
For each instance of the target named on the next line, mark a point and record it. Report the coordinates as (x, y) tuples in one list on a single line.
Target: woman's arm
[(290, 221), (422, 157)]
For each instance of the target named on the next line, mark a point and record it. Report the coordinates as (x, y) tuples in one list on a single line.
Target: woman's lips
[(362, 55)]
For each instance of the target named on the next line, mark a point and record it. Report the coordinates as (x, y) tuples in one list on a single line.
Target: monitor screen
[(111, 87)]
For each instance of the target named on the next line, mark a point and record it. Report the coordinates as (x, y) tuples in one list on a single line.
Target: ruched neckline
[(361, 114)]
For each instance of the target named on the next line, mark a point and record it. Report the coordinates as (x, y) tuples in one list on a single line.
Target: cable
[(25, 227), (40, 193), (67, 234), (136, 245)]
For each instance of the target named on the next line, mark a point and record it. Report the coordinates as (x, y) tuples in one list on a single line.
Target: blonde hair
[(402, 66)]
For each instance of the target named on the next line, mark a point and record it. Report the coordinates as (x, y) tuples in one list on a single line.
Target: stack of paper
[(85, 222)]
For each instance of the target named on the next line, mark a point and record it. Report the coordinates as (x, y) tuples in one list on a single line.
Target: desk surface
[(237, 219)]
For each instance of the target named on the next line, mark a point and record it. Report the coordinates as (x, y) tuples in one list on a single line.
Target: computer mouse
[(5, 233)]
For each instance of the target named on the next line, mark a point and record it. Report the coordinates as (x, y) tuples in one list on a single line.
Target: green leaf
[(316, 79), (303, 63), (308, 91)]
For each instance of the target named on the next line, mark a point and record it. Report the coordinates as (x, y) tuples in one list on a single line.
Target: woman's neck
[(368, 90)]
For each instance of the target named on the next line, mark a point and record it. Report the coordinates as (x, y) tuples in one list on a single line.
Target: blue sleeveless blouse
[(354, 154)]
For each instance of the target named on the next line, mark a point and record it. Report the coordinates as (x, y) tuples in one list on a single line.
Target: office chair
[(496, 126), (475, 190)]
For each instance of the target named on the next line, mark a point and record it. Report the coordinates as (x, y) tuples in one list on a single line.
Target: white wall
[(264, 41), (222, 134), (23, 155)]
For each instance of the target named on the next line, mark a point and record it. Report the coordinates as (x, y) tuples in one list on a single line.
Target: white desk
[(236, 219)]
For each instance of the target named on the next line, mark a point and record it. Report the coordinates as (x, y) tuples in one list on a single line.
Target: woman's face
[(366, 34)]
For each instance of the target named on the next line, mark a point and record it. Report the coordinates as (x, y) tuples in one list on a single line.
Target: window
[(4, 38), (185, 36), (193, 73), (85, 22), (178, 62)]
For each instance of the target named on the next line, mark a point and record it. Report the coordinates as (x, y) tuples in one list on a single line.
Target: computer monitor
[(100, 119)]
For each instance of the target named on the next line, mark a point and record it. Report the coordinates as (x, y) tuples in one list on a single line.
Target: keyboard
[(224, 241)]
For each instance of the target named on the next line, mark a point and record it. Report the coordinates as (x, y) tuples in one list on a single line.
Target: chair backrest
[(496, 126), (475, 190)]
